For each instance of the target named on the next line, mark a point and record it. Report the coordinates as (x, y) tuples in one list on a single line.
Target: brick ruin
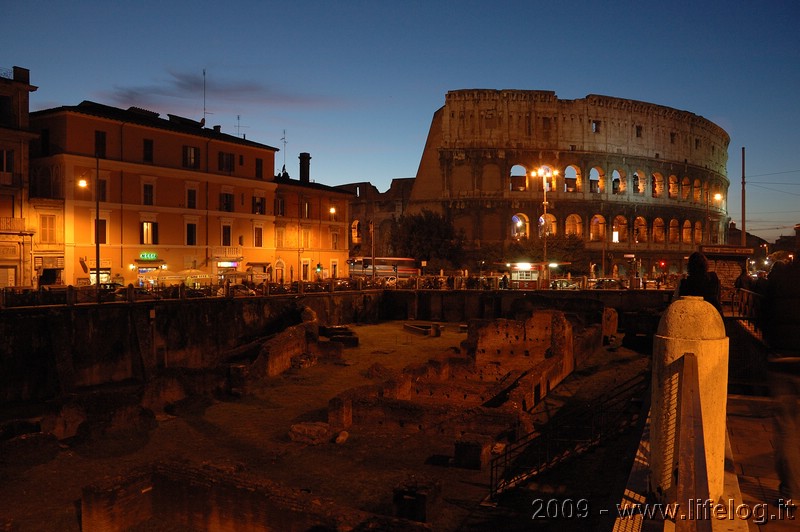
[(479, 398)]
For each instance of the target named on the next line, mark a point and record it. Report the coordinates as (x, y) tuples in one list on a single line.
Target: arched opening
[(674, 231), (620, 228), (355, 232), (698, 233), (618, 183), (673, 187), (639, 230), (574, 225), (638, 182), (686, 188), (596, 180), (518, 178), (657, 182), (572, 179), (547, 225), (597, 228), (697, 191), (687, 232), (658, 231), (520, 226)]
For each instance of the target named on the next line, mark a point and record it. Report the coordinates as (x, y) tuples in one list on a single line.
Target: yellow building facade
[(169, 195)]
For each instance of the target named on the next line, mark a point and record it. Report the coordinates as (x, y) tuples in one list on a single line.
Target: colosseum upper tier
[(629, 177)]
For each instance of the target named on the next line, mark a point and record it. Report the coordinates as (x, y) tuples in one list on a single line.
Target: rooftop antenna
[(203, 122), (283, 139), (238, 127)]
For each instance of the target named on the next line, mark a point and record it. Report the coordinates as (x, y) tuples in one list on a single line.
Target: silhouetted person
[(700, 281)]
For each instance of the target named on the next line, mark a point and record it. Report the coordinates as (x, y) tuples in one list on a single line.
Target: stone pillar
[(689, 325)]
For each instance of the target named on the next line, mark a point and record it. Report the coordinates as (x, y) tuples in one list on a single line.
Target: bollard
[(689, 325)]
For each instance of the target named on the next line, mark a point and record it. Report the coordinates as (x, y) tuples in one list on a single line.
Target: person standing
[(701, 282)]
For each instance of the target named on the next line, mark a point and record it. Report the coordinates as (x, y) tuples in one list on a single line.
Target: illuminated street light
[(84, 183), (546, 173)]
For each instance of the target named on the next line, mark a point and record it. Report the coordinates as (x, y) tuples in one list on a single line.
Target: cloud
[(181, 88)]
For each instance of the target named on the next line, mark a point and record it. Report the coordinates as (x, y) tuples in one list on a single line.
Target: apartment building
[(16, 233), (141, 193)]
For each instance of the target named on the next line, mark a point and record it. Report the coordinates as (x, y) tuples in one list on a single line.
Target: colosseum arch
[(464, 222), (674, 232), (639, 183), (673, 187), (355, 232), (639, 230), (461, 179), (697, 191), (574, 225), (686, 188), (518, 177), (687, 232), (698, 233), (520, 226), (597, 228), (547, 225), (657, 184), (596, 180), (619, 183), (572, 179), (620, 227), (659, 232)]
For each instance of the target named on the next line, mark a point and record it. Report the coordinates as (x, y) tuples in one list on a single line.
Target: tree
[(430, 237)]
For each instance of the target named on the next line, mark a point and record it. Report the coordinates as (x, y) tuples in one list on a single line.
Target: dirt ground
[(41, 491)]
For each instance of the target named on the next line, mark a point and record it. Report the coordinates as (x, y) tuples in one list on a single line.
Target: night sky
[(356, 83)]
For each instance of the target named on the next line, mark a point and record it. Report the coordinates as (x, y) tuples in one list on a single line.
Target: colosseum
[(642, 185)]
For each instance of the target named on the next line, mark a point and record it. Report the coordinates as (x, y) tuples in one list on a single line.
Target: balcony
[(227, 252), (12, 225)]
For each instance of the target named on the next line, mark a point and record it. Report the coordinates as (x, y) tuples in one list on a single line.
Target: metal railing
[(569, 433)]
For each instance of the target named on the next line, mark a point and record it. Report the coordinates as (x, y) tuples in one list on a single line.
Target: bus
[(384, 266)]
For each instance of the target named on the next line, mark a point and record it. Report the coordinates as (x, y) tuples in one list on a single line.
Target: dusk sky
[(356, 83)]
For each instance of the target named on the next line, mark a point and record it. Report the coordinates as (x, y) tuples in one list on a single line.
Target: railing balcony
[(227, 252), (12, 225)]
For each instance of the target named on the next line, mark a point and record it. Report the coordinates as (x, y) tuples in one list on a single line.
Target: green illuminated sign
[(148, 255)]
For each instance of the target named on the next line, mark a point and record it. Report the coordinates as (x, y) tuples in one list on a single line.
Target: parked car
[(564, 284), (607, 284)]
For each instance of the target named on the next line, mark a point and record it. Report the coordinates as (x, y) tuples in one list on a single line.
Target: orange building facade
[(169, 195)]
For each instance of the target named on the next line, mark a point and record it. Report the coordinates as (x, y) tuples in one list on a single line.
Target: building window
[(101, 189), (258, 236), (101, 231), (225, 239), (147, 150), (226, 202), (191, 234), (147, 194), (191, 198), (306, 209), (638, 132), (100, 144), (259, 205), (672, 137), (280, 236), (241, 160), (148, 233), (47, 228), (225, 162), (306, 239), (280, 207), (191, 157), (334, 240), (259, 169), (595, 126), (7, 164), (697, 144)]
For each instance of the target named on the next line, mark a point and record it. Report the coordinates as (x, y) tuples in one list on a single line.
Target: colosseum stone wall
[(642, 184)]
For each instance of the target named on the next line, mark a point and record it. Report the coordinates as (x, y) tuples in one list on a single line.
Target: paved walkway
[(752, 434)]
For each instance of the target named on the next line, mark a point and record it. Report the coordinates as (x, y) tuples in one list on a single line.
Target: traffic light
[(662, 264), (319, 267)]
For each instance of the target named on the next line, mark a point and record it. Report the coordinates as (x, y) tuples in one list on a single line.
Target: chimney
[(305, 167)]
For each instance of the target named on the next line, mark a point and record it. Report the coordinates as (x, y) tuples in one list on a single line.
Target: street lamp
[(717, 197), (546, 173), (83, 183)]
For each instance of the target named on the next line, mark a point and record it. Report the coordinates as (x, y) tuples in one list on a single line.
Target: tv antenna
[(238, 126), (283, 139)]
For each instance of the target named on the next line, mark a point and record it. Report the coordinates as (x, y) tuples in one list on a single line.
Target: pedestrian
[(701, 282)]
